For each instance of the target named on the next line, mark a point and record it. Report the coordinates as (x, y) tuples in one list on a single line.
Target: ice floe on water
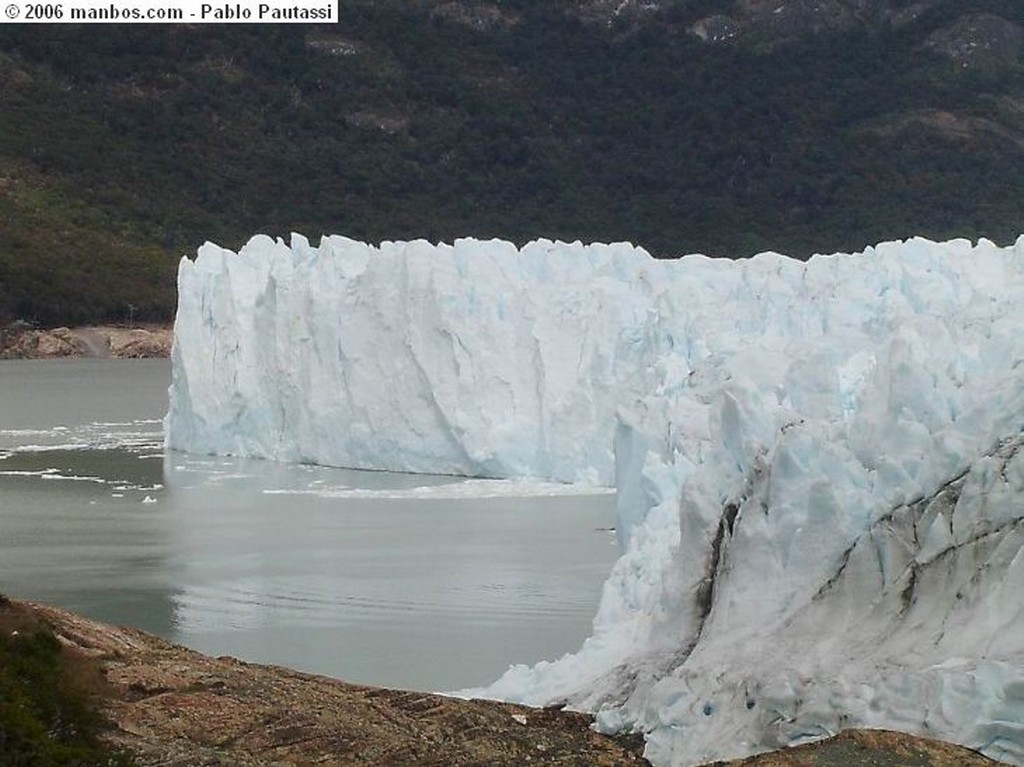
[(469, 488), (62, 453), (818, 465), (138, 436)]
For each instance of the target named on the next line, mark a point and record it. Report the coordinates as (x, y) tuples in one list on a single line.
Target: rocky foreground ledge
[(175, 708), (98, 342)]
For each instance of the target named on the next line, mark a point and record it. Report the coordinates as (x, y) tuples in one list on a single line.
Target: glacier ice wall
[(473, 359), (818, 463)]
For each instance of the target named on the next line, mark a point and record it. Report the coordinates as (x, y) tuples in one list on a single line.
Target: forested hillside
[(124, 147)]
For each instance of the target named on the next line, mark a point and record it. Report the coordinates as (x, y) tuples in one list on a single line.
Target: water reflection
[(381, 578), (412, 581), (75, 531)]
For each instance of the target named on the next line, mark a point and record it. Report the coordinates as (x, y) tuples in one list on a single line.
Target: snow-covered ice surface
[(818, 464)]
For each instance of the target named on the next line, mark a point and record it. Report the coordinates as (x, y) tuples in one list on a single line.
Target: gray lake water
[(429, 583)]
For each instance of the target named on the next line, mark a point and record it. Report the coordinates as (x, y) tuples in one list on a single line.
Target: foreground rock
[(101, 342), (868, 748), (177, 708)]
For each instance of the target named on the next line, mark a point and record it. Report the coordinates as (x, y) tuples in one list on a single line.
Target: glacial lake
[(420, 582)]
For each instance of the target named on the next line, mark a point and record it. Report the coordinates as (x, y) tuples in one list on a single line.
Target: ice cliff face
[(474, 359), (818, 464)]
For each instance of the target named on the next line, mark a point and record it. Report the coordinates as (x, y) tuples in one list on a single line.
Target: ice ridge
[(818, 463)]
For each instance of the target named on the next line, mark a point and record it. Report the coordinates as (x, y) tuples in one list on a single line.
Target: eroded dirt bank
[(101, 342)]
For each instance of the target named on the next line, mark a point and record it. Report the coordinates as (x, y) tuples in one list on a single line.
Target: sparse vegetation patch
[(49, 698)]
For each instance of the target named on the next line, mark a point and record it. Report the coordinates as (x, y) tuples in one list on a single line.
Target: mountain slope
[(516, 119)]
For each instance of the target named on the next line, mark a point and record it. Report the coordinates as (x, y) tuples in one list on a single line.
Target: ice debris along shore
[(819, 465)]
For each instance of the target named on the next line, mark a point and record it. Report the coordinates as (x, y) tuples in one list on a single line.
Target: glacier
[(818, 463)]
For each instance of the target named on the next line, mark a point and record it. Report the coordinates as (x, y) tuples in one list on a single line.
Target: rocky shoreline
[(173, 707), (97, 342)]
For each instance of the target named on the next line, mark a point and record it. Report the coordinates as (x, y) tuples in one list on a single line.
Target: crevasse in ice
[(819, 465)]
